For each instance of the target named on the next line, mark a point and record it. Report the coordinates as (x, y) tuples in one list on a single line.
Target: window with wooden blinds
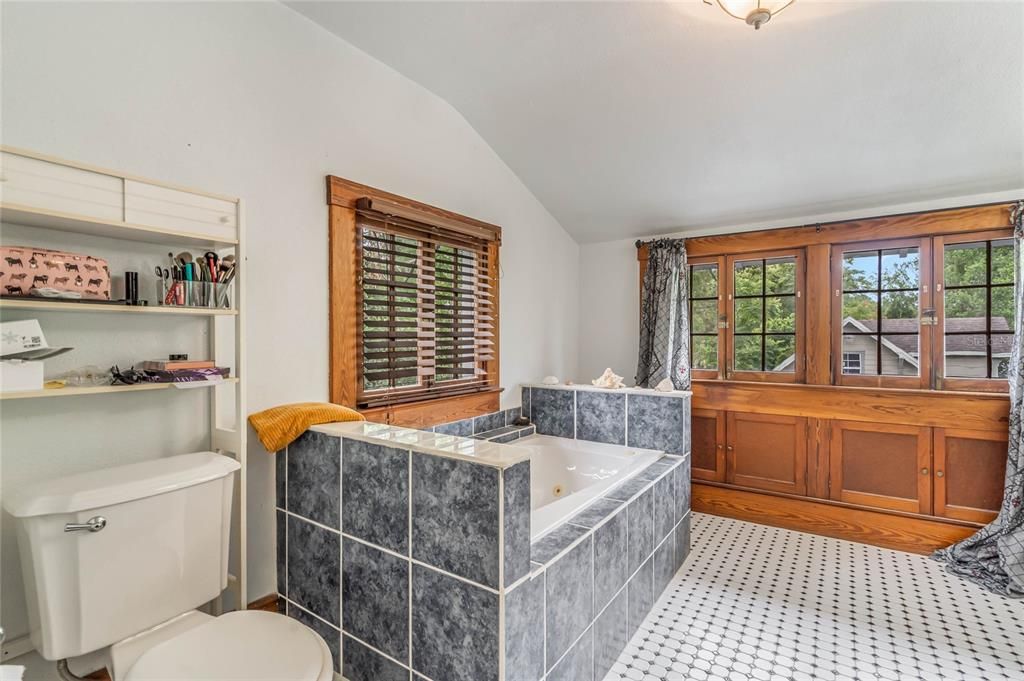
[(426, 302)]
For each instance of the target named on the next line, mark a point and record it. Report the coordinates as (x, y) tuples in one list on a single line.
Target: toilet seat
[(251, 645)]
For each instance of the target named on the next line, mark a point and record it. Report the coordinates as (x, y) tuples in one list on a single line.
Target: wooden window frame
[(345, 308), (924, 377), (994, 385), (795, 376), (719, 262)]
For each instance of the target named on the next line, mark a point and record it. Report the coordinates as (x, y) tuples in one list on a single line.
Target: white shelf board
[(107, 389), (34, 217), (43, 304)]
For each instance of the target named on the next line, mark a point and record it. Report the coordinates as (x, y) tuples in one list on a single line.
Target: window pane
[(780, 353), (1001, 344), (866, 347), (862, 307), (853, 362), (900, 355), (1002, 308), (965, 264), (1002, 261), (900, 268), (966, 356), (860, 271), (748, 353), (781, 314), (704, 281), (748, 278), (780, 275), (965, 309), (748, 315), (899, 312), (705, 352), (704, 316)]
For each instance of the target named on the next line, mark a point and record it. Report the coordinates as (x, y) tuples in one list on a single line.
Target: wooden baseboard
[(914, 535)]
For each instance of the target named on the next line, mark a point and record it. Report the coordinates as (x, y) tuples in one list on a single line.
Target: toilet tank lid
[(117, 485)]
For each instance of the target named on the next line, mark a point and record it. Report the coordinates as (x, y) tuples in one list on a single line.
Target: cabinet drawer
[(157, 206), (54, 187)]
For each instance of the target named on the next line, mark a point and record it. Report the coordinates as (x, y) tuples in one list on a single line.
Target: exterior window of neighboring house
[(878, 291), (705, 310), (853, 362), (766, 317), (976, 313)]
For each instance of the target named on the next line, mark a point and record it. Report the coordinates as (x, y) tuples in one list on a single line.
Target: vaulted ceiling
[(635, 118)]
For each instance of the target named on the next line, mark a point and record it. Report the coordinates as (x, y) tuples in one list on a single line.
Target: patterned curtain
[(994, 556), (664, 322)]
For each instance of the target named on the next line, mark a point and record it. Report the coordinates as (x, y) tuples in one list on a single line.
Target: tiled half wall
[(629, 416), (409, 553)]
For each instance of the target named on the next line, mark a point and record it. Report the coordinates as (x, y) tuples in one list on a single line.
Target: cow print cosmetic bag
[(23, 269)]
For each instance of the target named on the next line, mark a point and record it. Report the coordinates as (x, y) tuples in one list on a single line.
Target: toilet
[(117, 561)]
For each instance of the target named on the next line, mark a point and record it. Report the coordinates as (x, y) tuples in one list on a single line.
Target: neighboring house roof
[(899, 338), (966, 344)]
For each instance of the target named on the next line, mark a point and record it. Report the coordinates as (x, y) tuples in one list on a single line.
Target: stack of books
[(183, 371)]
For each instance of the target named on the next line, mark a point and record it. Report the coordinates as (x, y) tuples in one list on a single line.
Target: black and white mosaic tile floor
[(758, 602)]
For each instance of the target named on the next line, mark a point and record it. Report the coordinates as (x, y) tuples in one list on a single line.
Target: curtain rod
[(639, 242)]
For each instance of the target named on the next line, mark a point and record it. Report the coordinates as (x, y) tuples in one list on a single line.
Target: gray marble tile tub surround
[(593, 514), (281, 478), (516, 520), (455, 517), (664, 506), (683, 487), (477, 425), (375, 490), (553, 412), (330, 635), (314, 570), (682, 540), (282, 553), (556, 541), (524, 631), (664, 563), (601, 417), (569, 599), (578, 664), (363, 664), (455, 632), (611, 634), (641, 595), (658, 422), (527, 395), (640, 514), (492, 421), (375, 598), (314, 478), (463, 428), (611, 559)]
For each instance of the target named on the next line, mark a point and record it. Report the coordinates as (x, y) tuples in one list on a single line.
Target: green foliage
[(764, 313)]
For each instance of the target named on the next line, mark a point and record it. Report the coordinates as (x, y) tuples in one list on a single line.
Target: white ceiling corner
[(630, 119)]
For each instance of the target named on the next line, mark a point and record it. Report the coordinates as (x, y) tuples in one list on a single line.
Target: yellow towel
[(278, 427)]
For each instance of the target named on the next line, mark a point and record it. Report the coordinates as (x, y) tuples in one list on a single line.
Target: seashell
[(609, 379), (665, 386), (550, 380)]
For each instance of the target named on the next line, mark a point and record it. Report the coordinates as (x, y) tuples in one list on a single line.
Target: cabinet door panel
[(881, 465), (708, 444), (767, 452), (970, 470)]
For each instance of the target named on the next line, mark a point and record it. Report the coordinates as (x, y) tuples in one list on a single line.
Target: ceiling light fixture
[(754, 12)]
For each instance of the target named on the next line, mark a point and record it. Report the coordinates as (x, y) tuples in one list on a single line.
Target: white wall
[(609, 282), (252, 100)]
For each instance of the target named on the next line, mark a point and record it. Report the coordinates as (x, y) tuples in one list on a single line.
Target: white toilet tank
[(162, 551)]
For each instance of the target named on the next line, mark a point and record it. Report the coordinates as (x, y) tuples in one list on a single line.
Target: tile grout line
[(341, 555), (408, 548)]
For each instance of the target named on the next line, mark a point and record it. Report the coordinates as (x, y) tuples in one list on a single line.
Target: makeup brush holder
[(200, 294)]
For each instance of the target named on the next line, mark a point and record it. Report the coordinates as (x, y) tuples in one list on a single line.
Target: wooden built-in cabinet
[(881, 465), (913, 460), (767, 452)]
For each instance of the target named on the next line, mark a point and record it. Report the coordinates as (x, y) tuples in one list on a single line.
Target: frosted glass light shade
[(754, 12)]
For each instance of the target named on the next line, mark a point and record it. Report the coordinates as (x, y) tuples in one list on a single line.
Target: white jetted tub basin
[(566, 475)]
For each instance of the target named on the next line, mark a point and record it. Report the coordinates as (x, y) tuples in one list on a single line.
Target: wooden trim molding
[(916, 535)]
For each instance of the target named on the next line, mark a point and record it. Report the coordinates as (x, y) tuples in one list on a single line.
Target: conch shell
[(609, 379), (665, 386)]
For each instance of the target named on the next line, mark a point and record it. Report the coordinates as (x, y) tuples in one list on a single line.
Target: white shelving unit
[(53, 194)]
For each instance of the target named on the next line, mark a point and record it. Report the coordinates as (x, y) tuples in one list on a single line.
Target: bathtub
[(567, 475)]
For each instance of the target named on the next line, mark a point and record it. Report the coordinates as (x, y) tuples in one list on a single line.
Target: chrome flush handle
[(94, 524)]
